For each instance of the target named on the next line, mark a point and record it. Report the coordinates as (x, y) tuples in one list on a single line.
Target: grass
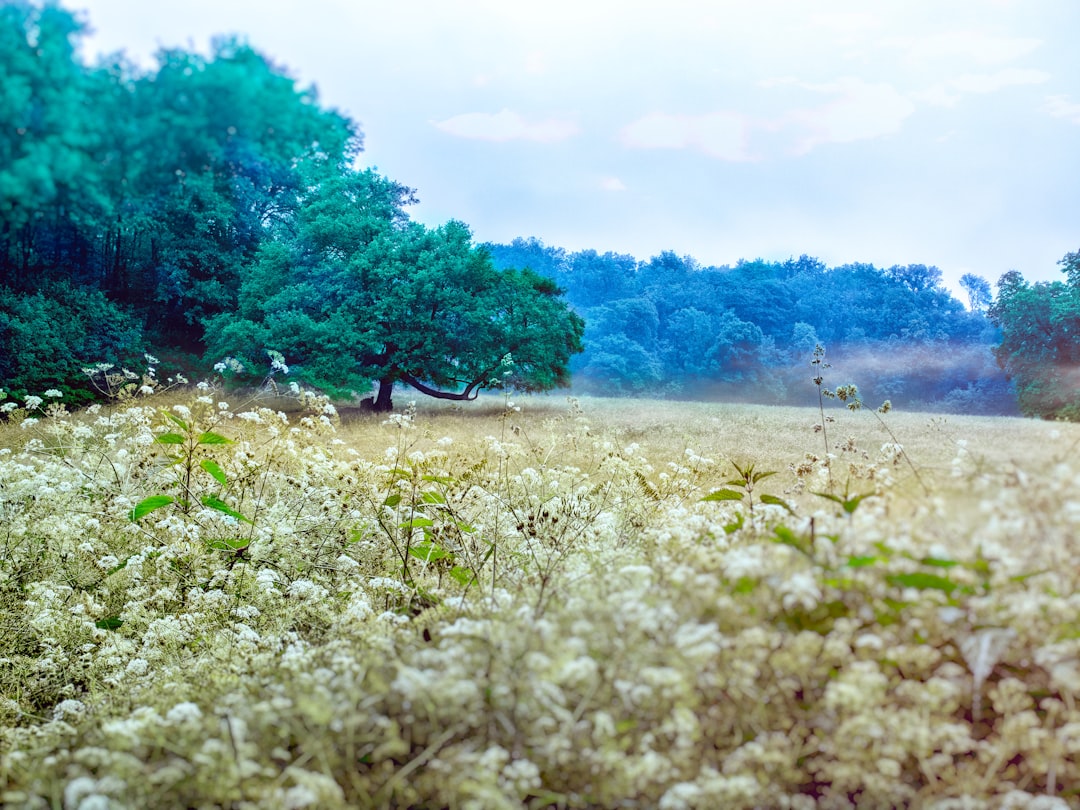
[(480, 606)]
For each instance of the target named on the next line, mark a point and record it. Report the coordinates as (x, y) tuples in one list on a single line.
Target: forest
[(210, 212)]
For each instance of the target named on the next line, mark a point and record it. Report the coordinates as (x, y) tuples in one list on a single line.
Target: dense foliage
[(670, 326), (1040, 344), (209, 207)]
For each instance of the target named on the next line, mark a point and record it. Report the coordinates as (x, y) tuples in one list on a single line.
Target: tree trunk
[(383, 402)]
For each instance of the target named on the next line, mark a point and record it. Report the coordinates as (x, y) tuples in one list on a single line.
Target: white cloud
[(969, 46), (947, 94), (1063, 107), (612, 184), (991, 82), (936, 96), (507, 125), (858, 111), (720, 134)]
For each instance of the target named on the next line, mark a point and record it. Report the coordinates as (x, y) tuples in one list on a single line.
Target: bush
[(47, 337)]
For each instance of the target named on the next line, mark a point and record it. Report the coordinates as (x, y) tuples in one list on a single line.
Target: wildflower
[(277, 362), (68, 708), (33, 402), (52, 392), (185, 712)]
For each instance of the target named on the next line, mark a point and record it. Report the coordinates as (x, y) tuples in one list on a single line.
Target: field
[(536, 602)]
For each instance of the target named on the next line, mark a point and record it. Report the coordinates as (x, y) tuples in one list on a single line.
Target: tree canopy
[(356, 293), (1040, 341), (210, 206)]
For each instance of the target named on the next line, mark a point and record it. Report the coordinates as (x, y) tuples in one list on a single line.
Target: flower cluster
[(207, 605)]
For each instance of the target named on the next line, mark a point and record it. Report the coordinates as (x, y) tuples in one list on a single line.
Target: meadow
[(535, 602)]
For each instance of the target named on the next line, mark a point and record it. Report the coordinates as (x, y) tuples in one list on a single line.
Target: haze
[(890, 133)]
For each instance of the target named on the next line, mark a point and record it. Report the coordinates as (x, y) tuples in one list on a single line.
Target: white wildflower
[(33, 402), (277, 361), (68, 708), (52, 392), (185, 712)]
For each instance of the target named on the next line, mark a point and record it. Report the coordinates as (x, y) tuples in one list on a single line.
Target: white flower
[(33, 402), (68, 708), (277, 362), (52, 392), (183, 713)]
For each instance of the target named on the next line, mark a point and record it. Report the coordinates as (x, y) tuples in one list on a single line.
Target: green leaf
[(212, 467), (176, 419), (723, 495), (170, 438), (437, 479), (429, 552), (416, 523), (463, 575), (745, 585), (862, 562), (787, 537), (935, 562), (120, 566), (432, 497), (774, 501), (213, 502), (1029, 575), (148, 505), (392, 500), (213, 438), (735, 525), (829, 496), (229, 543), (923, 582), (111, 623), (852, 503)]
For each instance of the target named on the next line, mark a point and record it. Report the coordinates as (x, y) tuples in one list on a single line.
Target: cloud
[(969, 46), (991, 82), (858, 111), (507, 125), (720, 134), (612, 184), (949, 93), (1063, 107)]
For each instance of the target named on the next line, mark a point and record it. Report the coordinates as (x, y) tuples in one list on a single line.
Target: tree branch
[(471, 392)]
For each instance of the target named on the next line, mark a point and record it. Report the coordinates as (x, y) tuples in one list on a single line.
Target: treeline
[(209, 209), (668, 326)]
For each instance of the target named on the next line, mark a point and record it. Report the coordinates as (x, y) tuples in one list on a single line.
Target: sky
[(939, 132)]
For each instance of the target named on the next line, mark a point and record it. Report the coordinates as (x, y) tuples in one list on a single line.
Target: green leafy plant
[(185, 454), (746, 483)]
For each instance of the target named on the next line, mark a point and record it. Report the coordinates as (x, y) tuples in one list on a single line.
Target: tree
[(978, 291), (1040, 344), (361, 294)]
